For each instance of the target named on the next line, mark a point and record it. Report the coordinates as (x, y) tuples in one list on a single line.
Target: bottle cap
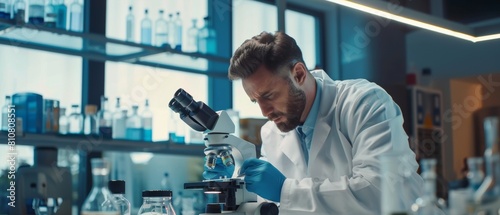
[(117, 186), (157, 193), (90, 109)]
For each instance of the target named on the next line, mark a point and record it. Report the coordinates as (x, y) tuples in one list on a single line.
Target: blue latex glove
[(262, 178), (219, 171)]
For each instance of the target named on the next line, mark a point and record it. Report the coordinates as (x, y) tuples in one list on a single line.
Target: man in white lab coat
[(325, 139)]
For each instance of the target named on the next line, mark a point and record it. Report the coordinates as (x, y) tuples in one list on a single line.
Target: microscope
[(217, 128)]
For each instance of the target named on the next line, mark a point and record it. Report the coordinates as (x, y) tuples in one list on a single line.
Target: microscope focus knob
[(268, 208)]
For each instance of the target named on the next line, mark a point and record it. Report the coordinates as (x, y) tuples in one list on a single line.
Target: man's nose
[(266, 108)]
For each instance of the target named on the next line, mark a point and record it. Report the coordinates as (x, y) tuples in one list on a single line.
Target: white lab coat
[(357, 121)]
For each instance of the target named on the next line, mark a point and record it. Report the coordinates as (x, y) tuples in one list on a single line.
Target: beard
[(294, 108)]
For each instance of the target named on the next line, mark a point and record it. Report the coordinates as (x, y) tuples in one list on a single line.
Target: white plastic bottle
[(76, 16), (63, 121)]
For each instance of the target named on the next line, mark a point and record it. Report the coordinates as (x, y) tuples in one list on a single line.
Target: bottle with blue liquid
[(61, 11), (207, 38), (5, 9), (147, 122), (130, 25), (146, 29), (177, 45), (134, 125)]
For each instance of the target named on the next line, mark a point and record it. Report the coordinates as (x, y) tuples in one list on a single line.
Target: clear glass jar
[(156, 202), (99, 201), (117, 188), (428, 204)]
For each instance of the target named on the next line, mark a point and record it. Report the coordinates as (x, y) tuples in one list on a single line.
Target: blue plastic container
[(29, 107)]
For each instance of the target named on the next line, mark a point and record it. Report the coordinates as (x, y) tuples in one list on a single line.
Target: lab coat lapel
[(290, 146), (322, 127)]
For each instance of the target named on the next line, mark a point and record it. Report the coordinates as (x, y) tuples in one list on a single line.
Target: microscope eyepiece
[(197, 115), (175, 106), (186, 100)]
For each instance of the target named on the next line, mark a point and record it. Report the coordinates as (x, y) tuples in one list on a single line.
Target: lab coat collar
[(322, 127)]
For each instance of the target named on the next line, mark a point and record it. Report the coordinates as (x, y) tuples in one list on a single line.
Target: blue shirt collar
[(313, 113)]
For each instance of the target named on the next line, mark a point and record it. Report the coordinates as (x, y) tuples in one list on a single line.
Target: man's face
[(278, 98)]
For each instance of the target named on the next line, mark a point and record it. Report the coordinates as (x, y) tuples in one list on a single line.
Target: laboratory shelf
[(101, 48), (90, 143)]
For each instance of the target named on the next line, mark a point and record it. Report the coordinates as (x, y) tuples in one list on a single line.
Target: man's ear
[(299, 73)]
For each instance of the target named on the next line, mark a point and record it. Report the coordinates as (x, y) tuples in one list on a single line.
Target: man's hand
[(263, 178), (219, 171)]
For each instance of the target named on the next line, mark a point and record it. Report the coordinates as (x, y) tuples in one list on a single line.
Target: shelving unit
[(101, 48), (95, 143)]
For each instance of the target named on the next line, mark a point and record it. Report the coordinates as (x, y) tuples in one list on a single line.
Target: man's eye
[(268, 96)]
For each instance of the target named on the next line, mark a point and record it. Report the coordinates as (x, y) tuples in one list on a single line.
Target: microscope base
[(252, 208)]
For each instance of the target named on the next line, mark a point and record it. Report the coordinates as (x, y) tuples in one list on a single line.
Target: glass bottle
[(171, 30), (36, 12), (63, 121), (177, 22), (105, 119), (76, 16), (130, 25), (207, 39), (90, 122), (490, 187), (99, 201), (5, 113), (134, 125), (50, 14), (156, 202), (191, 44), (20, 12), (427, 204), (146, 28), (161, 30), (75, 120), (61, 11), (166, 184), (119, 120), (172, 127), (4, 9), (475, 175), (117, 188), (147, 122)]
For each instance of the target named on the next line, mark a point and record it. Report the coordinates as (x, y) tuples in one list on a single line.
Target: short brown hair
[(273, 51)]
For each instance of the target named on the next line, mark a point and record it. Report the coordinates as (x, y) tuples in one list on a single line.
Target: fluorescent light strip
[(413, 22)]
